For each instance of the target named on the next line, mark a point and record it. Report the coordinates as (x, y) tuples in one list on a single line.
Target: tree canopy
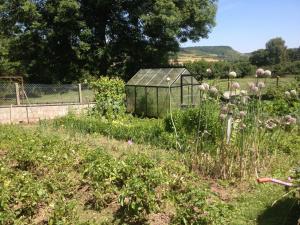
[(274, 53), (65, 40)]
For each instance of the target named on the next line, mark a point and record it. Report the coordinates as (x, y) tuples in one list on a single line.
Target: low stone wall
[(34, 113)]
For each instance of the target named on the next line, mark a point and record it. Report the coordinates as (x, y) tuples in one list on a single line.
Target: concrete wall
[(34, 113)]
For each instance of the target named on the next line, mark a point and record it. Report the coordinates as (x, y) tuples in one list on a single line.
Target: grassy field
[(57, 175), (222, 84)]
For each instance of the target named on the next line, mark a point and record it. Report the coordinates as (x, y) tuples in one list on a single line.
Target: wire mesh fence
[(11, 93), (7, 94)]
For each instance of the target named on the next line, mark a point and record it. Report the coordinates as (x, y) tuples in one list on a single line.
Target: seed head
[(260, 72), (224, 109), (268, 73), (294, 93), (226, 95), (287, 94), (261, 85), (213, 90), (201, 87), (206, 86), (251, 85), (223, 116), (235, 85), (232, 74), (209, 71), (243, 92), (289, 120), (270, 124), (243, 114)]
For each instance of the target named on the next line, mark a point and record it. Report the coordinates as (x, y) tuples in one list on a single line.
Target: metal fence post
[(80, 94), (17, 94)]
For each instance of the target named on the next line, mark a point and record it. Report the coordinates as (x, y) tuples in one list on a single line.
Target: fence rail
[(27, 94)]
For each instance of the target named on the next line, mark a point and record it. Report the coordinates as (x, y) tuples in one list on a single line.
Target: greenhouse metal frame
[(151, 92)]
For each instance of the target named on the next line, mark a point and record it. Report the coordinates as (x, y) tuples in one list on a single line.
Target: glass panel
[(151, 102), (175, 98), (156, 77), (163, 102), (196, 95), (140, 101), (186, 92), (130, 101)]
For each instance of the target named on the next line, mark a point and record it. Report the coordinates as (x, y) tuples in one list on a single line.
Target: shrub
[(110, 95)]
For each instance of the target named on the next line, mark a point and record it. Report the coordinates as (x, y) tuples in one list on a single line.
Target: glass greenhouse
[(150, 92)]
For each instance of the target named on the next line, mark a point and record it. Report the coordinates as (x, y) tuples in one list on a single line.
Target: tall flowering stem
[(203, 88)]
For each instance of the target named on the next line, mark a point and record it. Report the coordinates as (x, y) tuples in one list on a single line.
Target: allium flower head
[(224, 109), (261, 85), (260, 72), (201, 87), (255, 89), (130, 142), (235, 85), (293, 93), (226, 95), (270, 124), (287, 94), (243, 114), (251, 85), (243, 92), (232, 74), (209, 71), (268, 73), (289, 120), (223, 116), (213, 90), (206, 86)]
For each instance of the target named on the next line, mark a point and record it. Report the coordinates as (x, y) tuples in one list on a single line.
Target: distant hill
[(209, 53)]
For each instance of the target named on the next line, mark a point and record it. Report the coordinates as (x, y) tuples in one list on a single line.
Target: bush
[(110, 95)]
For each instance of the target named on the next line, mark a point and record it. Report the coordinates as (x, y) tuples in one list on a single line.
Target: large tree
[(259, 58), (274, 53), (276, 50), (61, 40)]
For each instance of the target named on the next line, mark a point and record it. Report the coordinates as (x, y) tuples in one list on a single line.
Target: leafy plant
[(110, 95)]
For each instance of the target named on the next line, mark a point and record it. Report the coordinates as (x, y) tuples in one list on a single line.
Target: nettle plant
[(110, 95)]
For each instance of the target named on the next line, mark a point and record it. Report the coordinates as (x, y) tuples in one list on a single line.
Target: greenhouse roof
[(157, 77)]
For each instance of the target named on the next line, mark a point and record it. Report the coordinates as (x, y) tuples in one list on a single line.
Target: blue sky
[(246, 25)]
